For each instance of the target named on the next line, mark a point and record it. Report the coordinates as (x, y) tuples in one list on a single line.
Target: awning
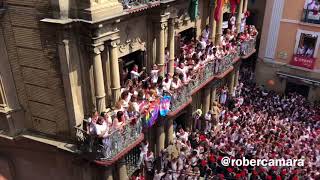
[(304, 80)]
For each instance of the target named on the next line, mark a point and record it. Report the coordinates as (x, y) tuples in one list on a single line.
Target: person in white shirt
[(203, 43), (154, 74), (183, 136), (205, 33), (182, 69), (134, 72), (166, 83), (207, 118), (176, 83), (144, 150), (233, 23)]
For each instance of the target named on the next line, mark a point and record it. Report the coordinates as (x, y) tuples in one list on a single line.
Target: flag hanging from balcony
[(233, 6), (193, 9), (217, 11), (165, 105), (152, 114)]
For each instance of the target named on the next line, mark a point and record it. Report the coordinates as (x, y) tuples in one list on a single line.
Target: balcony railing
[(105, 149), (311, 16), (247, 47), (132, 159), (136, 4), (124, 141), (200, 78)]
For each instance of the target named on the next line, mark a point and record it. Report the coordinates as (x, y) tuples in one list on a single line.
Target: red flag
[(218, 10), (233, 5)]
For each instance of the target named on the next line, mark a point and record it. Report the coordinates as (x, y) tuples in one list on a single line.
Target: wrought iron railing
[(311, 16), (247, 47), (128, 4), (132, 160), (211, 69), (108, 147)]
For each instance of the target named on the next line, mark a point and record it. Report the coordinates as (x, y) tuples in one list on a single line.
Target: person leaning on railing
[(192, 63)]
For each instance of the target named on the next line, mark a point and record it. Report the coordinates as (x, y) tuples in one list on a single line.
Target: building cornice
[(292, 21)]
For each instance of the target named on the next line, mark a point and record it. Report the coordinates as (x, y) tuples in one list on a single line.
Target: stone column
[(108, 174), (212, 22), (170, 131), (239, 16), (160, 47), (219, 29), (122, 170), (171, 45), (236, 78), (98, 79), (115, 72), (231, 82), (213, 95), (206, 100), (160, 137), (245, 6)]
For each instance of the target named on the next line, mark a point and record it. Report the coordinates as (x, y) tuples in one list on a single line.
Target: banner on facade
[(152, 114), (165, 105), (303, 61)]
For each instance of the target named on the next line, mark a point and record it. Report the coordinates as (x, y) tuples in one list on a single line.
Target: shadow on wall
[(6, 168)]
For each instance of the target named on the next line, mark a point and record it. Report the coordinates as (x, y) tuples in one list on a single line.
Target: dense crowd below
[(252, 123)]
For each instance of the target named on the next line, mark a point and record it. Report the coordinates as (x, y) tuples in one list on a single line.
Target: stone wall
[(32, 51)]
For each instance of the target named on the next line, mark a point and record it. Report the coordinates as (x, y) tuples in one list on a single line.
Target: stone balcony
[(247, 48), (122, 143), (213, 70), (131, 6)]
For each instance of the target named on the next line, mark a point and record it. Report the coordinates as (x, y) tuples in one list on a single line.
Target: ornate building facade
[(61, 59), (289, 57)]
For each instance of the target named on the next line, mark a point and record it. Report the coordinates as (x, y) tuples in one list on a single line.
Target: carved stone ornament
[(98, 49), (114, 43), (134, 44), (163, 26)]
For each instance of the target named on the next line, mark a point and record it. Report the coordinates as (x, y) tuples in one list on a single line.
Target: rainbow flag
[(165, 105), (152, 114)]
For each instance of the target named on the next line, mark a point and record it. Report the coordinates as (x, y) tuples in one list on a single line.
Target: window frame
[(317, 44)]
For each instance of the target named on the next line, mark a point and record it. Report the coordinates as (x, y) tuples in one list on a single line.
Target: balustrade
[(128, 4), (108, 147), (211, 69), (247, 47), (310, 16)]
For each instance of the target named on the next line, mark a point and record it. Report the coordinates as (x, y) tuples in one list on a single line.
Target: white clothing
[(134, 75), (205, 33), (183, 71), (154, 75), (176, 85), (184, 136), (99, 129), (166, 85)]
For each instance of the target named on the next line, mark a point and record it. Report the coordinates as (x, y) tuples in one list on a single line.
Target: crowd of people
[(141, 89), (258, 124)]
